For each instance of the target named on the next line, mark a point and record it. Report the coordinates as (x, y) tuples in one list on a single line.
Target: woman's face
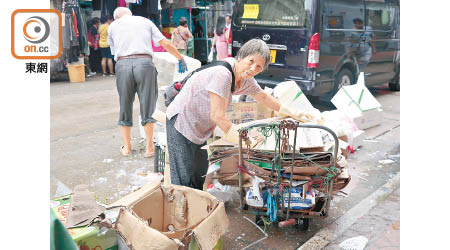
[(249, 66)]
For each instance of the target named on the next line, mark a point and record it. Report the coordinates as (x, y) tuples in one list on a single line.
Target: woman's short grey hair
[(254, 46), (121, 11)]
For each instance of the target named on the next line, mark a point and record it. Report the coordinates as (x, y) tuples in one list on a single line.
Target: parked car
[(323, 45)]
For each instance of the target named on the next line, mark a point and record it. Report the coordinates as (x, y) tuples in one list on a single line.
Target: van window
[(380, 16), (339, 14), (276, 13)]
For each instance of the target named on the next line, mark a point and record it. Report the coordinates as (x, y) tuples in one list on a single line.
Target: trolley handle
[(301, 125)]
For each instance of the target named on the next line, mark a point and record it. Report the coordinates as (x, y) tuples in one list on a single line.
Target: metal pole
[(292, 172), (206, 32), (241, 163)]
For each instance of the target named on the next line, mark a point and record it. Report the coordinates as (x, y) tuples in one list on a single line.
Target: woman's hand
[(268, 100)]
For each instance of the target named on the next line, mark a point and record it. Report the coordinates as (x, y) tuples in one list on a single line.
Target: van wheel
[(395, 84), (343, 78)]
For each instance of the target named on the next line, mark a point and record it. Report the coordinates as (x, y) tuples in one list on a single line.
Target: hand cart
[(284, 158)]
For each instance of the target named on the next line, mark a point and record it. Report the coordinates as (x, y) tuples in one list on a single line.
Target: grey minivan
[(323, 44)]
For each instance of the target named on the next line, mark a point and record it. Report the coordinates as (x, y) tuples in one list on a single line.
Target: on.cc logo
[(36, 29)]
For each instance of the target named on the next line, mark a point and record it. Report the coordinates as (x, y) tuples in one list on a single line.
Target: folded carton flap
[(83, 207), (151, 210), (290, 95), (139, 235), (209, 231), (345, 104), (137, 195), (229, 165), (358, 95), (364, 98)]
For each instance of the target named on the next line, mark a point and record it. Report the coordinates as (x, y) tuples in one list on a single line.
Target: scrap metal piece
[(265, 235)]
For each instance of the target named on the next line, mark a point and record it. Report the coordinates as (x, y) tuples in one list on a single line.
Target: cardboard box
[(370, 118), (84, 237), (358, 103), (242, 112), (166, 217)]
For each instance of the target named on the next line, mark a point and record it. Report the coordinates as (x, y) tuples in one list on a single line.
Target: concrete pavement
[(376, 217)]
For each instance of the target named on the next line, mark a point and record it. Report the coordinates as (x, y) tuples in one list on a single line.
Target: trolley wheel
[(258, 220), (302, 224)]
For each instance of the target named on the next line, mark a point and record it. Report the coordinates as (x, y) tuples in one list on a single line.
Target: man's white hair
[(121, 11)]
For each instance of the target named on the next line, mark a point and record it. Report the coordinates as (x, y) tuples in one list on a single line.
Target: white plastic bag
[(210, 56), (221, 192)]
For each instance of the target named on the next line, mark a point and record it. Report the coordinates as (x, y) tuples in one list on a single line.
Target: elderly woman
[(201, 106), (181, 36)]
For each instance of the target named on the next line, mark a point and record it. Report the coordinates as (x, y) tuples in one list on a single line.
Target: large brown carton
[(166, 217)]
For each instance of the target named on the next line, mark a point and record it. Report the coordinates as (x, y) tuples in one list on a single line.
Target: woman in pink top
[(220, 38), (201, 106)]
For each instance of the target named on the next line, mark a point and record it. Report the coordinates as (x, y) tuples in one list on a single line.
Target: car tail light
[(314, 51)]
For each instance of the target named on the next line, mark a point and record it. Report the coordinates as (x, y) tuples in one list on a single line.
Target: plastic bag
[(221, 192), (210, 56)]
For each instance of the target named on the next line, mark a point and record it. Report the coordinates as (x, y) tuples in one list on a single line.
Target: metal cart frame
[(292, 216)]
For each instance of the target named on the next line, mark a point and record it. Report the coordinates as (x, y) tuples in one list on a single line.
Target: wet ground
[(85, 143)]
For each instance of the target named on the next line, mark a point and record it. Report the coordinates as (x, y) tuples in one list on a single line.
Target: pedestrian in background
[(228, 33), (181, 36), (220, 39), (363, 50), (94, 46), (129, 38), (104, 46)]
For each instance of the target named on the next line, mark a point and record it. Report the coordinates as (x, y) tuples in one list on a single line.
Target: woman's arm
[(267, 100), (218, 107), (170, 48)]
